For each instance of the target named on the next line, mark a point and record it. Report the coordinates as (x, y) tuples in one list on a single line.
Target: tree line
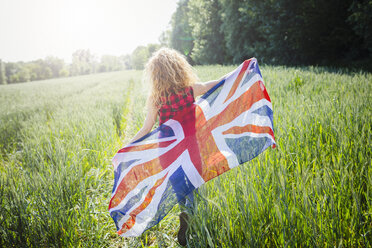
[(288, 32), (83, 62), (306, 32)]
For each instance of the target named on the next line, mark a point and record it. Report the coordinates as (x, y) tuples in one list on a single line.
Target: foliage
[(2, 73), (141, 54), (55, 64), (181, 38), (139, 57), (34, 70), (276, 31), (126, 60), (361, 21), (57, 138), (152, 47), (83, 62), (39, 70), (205, 22), (165, 37), (110, 63), (240, 28)]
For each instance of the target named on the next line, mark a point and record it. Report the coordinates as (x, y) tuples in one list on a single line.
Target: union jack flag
[(229, 125)]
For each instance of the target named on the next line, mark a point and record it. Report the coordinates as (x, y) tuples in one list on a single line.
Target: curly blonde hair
[(168, 72)]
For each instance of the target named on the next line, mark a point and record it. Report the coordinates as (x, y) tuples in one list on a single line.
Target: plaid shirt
[(175, 104)]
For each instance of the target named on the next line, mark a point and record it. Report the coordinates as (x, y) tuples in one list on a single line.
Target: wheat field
[(57, 138)]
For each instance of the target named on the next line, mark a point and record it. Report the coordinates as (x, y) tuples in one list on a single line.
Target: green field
[(57, 138)]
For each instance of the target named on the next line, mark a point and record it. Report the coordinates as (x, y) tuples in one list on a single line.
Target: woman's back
[(175, 103)]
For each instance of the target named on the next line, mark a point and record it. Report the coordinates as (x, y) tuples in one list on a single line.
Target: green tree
[(361, 21), (126, 60), (243, 29), (64, 72), (139, 57), (205, 21), (2, 73), (151, 48), (33, 68), (55, 64), (180, 37), (291, 32), (164, 38), (312, 32), (23, 74), (39, 70), (17, 72), (83, 62), (11, 70), (110, 63)]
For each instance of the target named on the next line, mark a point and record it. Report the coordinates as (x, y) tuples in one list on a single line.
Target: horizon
[(42, 28)]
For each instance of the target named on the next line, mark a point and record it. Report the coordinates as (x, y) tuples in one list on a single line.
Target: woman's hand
[(148, 123), (201, 88)]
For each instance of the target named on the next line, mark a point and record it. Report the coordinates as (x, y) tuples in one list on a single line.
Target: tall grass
[(57, 138), (315, 188)]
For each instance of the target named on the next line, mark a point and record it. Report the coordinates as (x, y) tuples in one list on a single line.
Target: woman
[(174, 87)]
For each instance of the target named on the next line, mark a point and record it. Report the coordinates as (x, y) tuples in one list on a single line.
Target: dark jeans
[(188, 203)]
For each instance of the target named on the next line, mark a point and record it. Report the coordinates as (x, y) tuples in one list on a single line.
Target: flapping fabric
[(229, 125)]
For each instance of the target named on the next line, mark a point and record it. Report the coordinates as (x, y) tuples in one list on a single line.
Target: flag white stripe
[(145, 156), (219, 105)]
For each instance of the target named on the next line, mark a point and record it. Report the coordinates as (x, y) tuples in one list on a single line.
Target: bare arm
[(148, 123), (201, 88)]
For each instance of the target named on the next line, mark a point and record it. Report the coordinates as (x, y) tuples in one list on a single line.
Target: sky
[(34, 29)]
